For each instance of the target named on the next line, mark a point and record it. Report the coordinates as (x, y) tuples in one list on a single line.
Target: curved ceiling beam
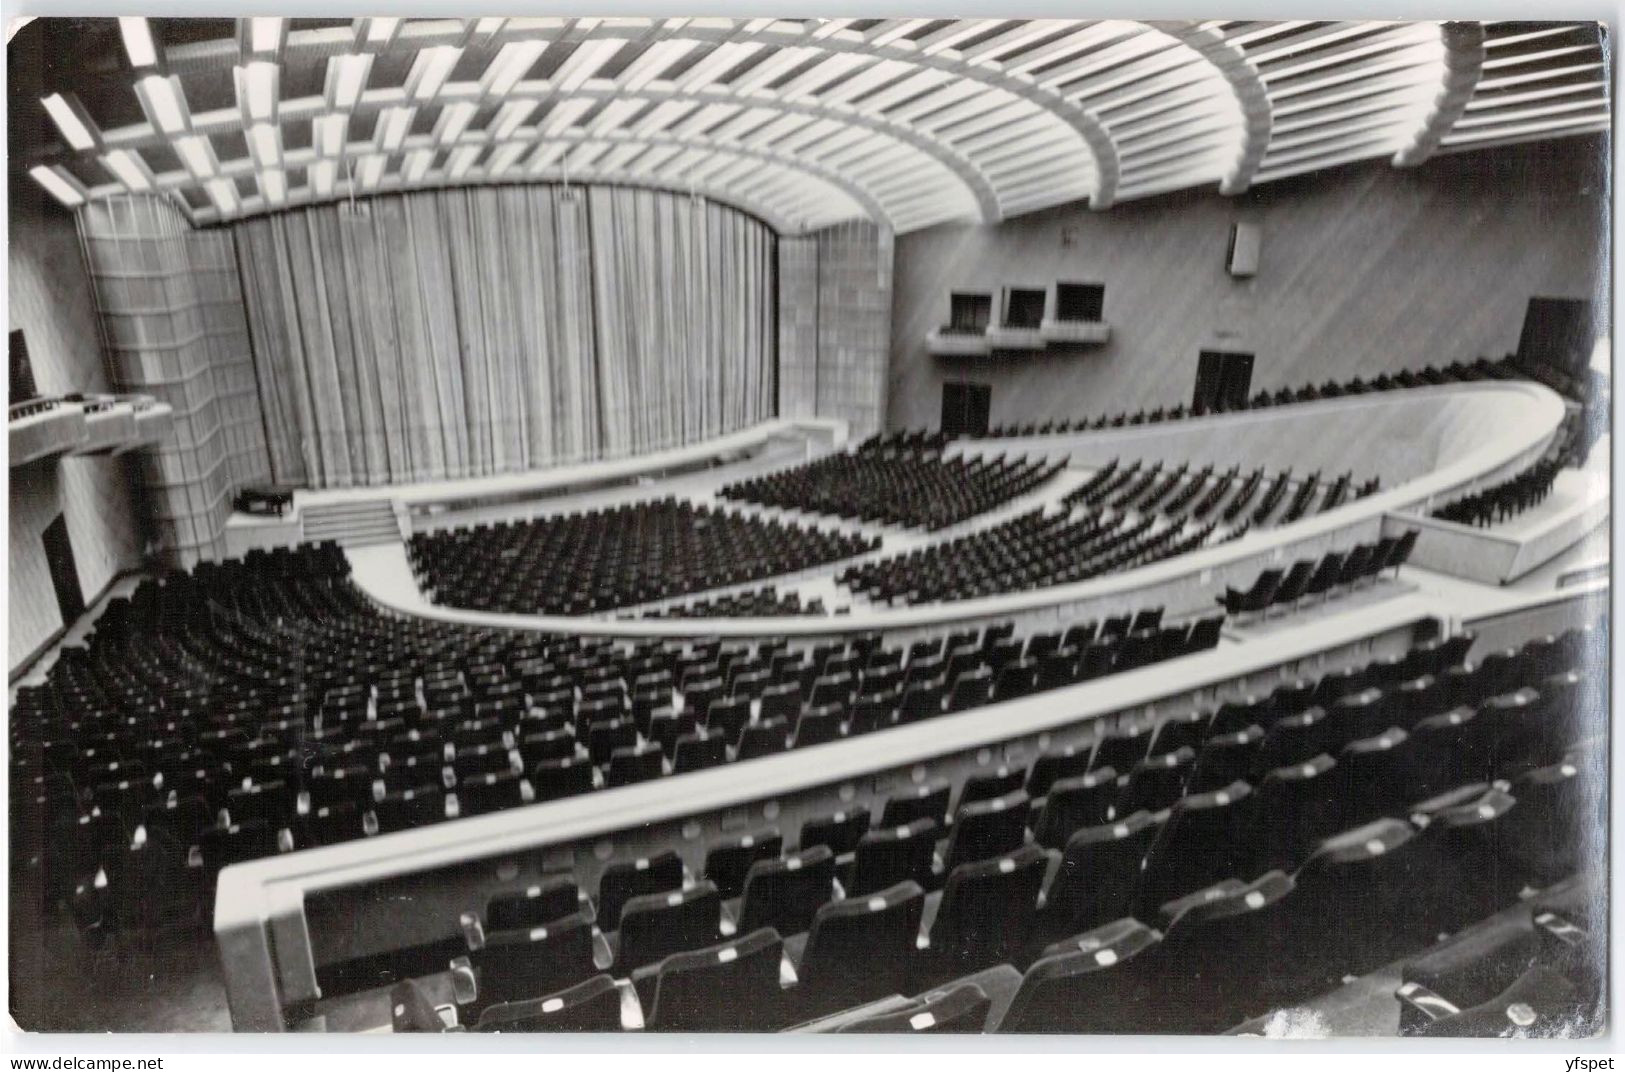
[(856, 192), (1252, 97), (976, 183), (1463, 64), (1098, 142)]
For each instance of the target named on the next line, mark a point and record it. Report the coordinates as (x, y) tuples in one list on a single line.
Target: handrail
[(1533, 433)]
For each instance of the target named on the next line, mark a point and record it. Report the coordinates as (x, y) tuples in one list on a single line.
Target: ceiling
[(906, 122)]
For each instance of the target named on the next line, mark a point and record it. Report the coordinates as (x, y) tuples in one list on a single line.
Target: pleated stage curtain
[(463, 333)]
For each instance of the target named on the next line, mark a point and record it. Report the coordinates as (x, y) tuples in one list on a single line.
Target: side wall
[(1363, 269), (835, 313), (50, 300)]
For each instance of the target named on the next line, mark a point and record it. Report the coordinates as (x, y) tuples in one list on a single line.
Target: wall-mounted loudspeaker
[(1242, 259)]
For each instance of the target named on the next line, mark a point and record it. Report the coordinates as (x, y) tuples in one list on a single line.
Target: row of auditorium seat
[(1321, 576), (252, 708), (1036, 550), (1507, 499), (765, 602), (1253, 856), (1140, 487), (916, 487), (642, 552), (1428, 376)]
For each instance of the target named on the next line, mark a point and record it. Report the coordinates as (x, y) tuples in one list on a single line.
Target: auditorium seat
[(986, 911), (859, 948), (891, 854), (1100, 874), (621, 882), (785, 893), (654, 925), (961, 1008), (733, 986), (594, 1005), (519, 964)]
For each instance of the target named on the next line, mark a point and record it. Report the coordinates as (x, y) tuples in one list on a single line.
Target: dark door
[(70, 600), (1224, 379), (965, 408)]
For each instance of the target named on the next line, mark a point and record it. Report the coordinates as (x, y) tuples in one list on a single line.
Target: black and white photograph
[(683, 526)]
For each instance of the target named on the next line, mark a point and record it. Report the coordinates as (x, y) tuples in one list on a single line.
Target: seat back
[(594, 1005), (656, 925), (733, 986), (633, 878), (888, 855), (784, 894), (1084, 984)]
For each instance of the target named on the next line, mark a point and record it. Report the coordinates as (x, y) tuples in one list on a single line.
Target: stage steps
[(353, 524)]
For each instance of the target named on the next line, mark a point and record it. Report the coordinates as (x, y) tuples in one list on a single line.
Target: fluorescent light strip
[(461, 160), (503, 158), (351, 78), (123, 163), (454, 119), (321, 177), (329, 132), (274, 185), (165, 103), (380, 30), (511, 63), (264, 35), (431, 69), (138, 41), (257, 84), (509, 117), (68, 122), (417, 164), (194, 153), (224, 194), (372, 169), (393, 126), (57, 186), (267, 144)]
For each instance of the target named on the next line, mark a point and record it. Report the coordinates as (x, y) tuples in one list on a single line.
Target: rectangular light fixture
[(267, 143), (321, 177), (417, 164), (351, 78), (509, 116), (372, 169), (194, 153), (515, 58), (380, 30), (329, 132), (256, 86), (502, 159), (264, 35), (123, 163), (454, 119), (274, 185), (138, 41), (57, 186), (431, 69), (223, 192), (392, 127), (461, 160), (164, 103), (68, 122)]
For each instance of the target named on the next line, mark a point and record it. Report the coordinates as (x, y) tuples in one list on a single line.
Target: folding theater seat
[(1295, 739), (997, 783), (1065, 761), (764, 738), (733, 986), (954, 1009), (638, 763), (655, 925), (594, 1005), (555, 779), (888, 855), (728, 863), (1157, 781), (530, 963), (1541, 1004), (700, 750), (532, 905), (1468, 969), (1226, 757), (785, 894), (1298, 805), (986, 913), (928, 800), (839, 831), (1219, 959), (858, 949), (987, 828), (1208, 837), (1084, 984), (621, 882), (1466, 842), (1552, 830), (1124, 745), (1075, 803)]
